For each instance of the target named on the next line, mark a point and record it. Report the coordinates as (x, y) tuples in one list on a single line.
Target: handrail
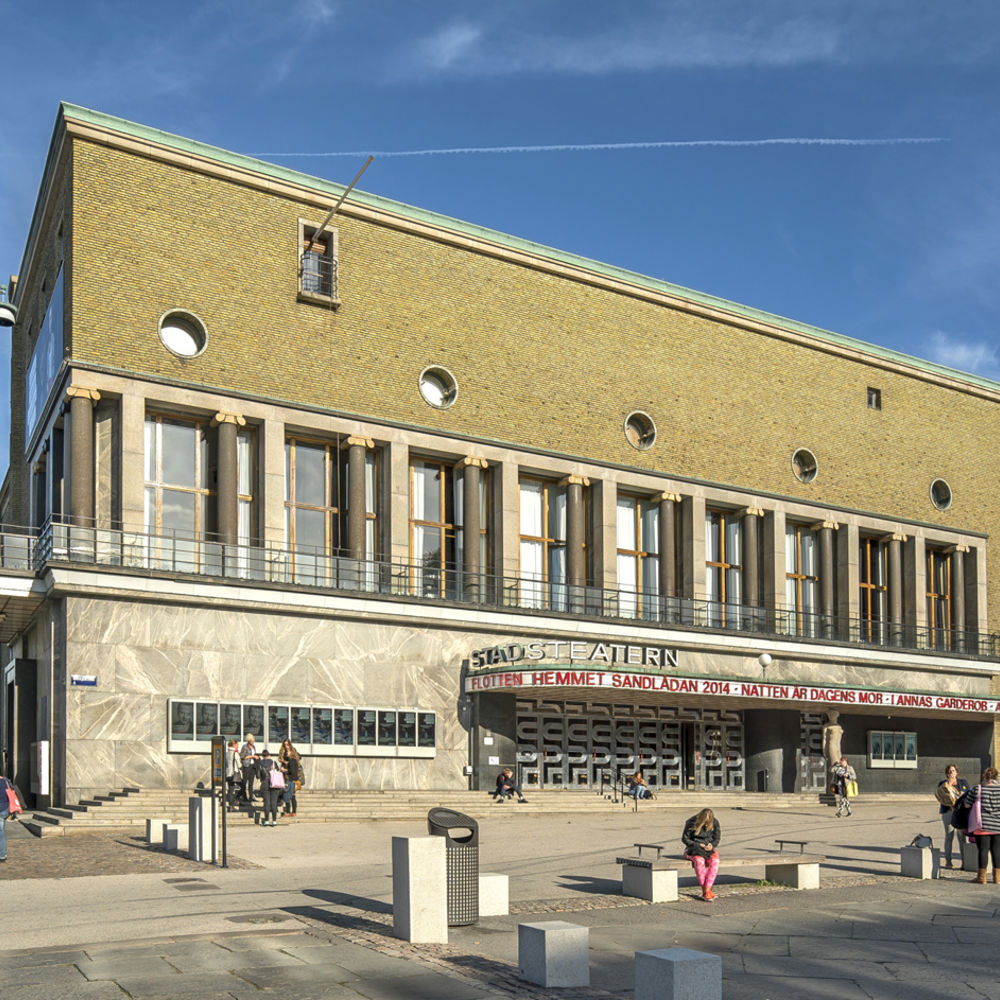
[(312, 567)]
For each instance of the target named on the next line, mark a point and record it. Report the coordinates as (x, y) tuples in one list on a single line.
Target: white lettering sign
[(556, 678)]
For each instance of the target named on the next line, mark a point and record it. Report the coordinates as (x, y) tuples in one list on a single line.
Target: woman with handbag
[(843, 775), (10, 805), (291, 765), (272, 784), (701, 837), (948, 793), (984, 823)]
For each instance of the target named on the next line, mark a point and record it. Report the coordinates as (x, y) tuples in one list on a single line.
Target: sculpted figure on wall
[(832, 733)]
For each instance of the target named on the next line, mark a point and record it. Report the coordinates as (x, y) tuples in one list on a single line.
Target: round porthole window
[(438, 387), (804, 465), (183, 334), (940, 494), (640, 431)]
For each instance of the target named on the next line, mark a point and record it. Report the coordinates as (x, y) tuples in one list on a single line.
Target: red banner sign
[(512, 680)]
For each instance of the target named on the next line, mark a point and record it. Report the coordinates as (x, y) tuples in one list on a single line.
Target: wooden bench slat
[(679, 862)]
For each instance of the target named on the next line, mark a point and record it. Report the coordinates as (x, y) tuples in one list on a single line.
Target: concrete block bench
[(154, 830), (175, 837), (677, 974), (494, 895), (554, 953), (799, 871), (919, 862)]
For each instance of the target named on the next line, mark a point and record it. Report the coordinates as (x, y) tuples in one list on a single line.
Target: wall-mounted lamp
[(765, 660), (8, 311)]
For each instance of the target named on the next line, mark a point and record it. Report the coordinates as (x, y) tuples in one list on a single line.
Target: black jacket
[(696, 843)]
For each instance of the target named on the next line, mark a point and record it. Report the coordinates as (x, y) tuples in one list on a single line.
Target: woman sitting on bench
[(701, 837)]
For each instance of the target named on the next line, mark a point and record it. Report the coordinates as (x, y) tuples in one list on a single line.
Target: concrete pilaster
[(272, 452), (692, 571)]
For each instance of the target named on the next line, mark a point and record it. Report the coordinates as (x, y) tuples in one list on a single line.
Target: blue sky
[(896, 243)]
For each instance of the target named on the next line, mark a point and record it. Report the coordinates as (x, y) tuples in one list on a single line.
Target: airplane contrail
[(605, 146)]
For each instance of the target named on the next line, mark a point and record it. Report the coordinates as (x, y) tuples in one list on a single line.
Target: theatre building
[(429, 499)]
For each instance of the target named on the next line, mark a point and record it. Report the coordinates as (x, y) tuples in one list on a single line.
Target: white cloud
[(514, 37), (974, 356)]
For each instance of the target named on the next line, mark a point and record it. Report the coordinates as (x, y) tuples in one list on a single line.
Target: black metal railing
[(338, 571)]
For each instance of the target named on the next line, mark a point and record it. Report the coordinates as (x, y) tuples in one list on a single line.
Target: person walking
[(248, 763), (291, 766), (948, 793), (984, 823), (701, 837), (271, 786), (843, 773)]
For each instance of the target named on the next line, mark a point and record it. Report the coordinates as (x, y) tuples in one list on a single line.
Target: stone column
[(229, 483), (81, 414), (576, 568), (895, 582), (575, 564), (667, 545), (958, 597), (472, 527), (751, 565), (827, 587), (357, 508)]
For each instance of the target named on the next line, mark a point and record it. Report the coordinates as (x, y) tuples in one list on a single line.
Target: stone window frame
[(308, 231)]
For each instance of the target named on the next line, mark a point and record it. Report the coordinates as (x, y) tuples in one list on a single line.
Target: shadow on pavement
[(346, 899)]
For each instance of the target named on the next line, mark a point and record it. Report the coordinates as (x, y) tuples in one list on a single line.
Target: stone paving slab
[(81, 991), (118, 852)]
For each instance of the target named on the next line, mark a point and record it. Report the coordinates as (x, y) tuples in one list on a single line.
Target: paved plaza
[(305, 912)]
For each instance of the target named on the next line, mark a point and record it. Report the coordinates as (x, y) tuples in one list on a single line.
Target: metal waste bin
[(461, 833)]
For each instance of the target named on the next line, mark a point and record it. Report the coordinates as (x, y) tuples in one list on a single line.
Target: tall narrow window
[(723, 567), (316, 492), (432, 528), (638, 557), (801, 579), (542, 544), (179, 459), (939, 622), (874, 590)]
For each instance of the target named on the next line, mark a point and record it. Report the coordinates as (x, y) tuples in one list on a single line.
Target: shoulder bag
[(976, 812), (13, 803), (275, 779)]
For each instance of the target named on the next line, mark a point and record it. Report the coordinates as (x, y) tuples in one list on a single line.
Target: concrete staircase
[(130, 807)]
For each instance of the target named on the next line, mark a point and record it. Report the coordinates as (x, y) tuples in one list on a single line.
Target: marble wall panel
[(94, 714), (160, 670), (91, 768)]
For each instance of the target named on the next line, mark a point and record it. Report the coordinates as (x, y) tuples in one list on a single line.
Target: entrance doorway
[(571, 745)]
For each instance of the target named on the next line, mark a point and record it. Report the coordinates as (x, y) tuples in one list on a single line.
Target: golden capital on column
[(468, 460), (820, 525), (77, 391), (574, 481), (957, 548), (357, 439), (751, 512), (229, 418), (895, 536), (667, 495)]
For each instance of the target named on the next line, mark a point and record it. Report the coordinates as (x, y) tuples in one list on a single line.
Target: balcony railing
[(274, 564)]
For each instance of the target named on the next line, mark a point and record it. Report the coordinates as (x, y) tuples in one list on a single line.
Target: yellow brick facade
[(542, 361)]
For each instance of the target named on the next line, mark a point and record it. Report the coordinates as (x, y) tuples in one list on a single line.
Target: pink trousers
[(705, 868)]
